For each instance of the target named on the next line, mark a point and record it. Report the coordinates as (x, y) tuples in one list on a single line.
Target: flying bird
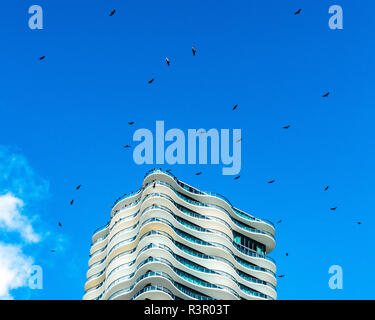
[(326, 188), (359, 222), (286, 127), (334, 208), (281, 276), (272, 181), (235, 178), (112, 12), (193, 49), (78, 187), (198, 173), (326, 95), (42, 57), (127, 146), (279, 221), (52, 250), (60, 225), (131, 123), (168, 62), (235, 107), (71, 202), (298, 11), (151, 81), (287, 254)]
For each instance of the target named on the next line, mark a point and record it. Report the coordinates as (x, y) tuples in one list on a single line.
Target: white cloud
[(12, 220), (21, 193), (18, 178), (15, 268)]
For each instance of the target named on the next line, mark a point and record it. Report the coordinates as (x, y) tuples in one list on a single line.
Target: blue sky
[(64, 121)]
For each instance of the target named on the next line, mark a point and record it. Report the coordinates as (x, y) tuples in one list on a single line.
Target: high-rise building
[(169, 240)]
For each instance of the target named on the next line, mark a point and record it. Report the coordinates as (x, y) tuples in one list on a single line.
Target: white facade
[(172, 241)]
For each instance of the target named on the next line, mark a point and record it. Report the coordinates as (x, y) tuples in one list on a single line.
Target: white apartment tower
[(169, 240)]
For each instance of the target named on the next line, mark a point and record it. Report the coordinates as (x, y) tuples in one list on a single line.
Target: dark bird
[(333, 209), (168, 62), (326, 188), (272, 181), (235, 107), (279, 221), (286, 127), (71, 202), (78, 187), (60, 225), (112, 12), (235, 178), (359, 222), (193, 49), (281, 276), (198, 173), (127, 146), (52, 250), (42, 57), (151, 81), (326, 95), (298, 11), (287, 254), (131, 123)]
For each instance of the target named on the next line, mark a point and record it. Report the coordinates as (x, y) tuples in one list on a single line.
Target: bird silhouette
[(42, 57), (127, 146), (236, 178), (334, 208), (286, 127), (279, 221), (168, 62), (78, 187), (272, 181), (281, 276), (359, 222), (52, 250), (193, 49), (60, 225), (287, 254), (298, 11), (326, 95), (112, 12), (131, 123), (151, 81), (71, 202), (235, 107), (326, 188), (198, 173)]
